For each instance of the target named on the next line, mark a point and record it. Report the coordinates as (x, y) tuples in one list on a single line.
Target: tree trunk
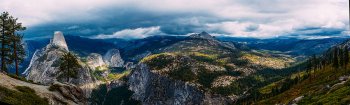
[(15, 55), (3, 46), (68, 72)]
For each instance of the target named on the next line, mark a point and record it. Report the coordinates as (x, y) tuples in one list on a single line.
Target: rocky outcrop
[(94, 60), (70, 92), (202, 35), (58, 40), (44, 66), (59, 97), (113, 58), (153, 89)]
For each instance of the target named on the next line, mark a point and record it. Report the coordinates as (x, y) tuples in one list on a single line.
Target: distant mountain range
[(195, 69), (131, 48)]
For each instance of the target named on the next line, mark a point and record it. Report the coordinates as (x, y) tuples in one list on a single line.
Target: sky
[(133, 19)]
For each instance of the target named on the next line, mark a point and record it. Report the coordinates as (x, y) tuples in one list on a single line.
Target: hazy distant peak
[(202, 35)]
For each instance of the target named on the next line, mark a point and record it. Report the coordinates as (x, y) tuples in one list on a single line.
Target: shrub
[(203, 57), (25, 89), (21, 78), (183, 73), (115, 76), (24, 96), (158, 61), (54, 87), (205, 77), (98, 75)]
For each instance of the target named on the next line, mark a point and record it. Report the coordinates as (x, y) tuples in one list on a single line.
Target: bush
[(25, 89), (158, 61), (183, 73), (24, 96), (98, 75), (203, 57), (206, 77), (54, 87), (20, 78)]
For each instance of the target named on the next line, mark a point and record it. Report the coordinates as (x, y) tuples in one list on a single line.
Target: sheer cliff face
[(44, 66), (58, 40), (94, 60), (154, 89), (113, 58)]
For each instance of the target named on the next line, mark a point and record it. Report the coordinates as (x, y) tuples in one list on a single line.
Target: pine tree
[(335, 58), (341, 57), (11, 47), (69, 65), (5, 51), (346, 56), (18, 51), (16, 45), (314, 62)]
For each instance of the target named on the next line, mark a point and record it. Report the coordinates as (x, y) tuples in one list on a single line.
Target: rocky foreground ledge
[(63, 94)]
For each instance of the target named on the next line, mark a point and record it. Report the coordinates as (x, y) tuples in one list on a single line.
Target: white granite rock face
[(58, 40), (94, 60), (153, 89), (113, 58), (44, 66)]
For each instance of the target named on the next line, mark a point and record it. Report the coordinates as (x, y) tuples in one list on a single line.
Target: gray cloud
[(239, 18)]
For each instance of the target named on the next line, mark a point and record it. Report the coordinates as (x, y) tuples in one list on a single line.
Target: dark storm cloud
[(142, 18)]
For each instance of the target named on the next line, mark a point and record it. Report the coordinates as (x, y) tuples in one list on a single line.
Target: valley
[(195, 69), (174, 52)]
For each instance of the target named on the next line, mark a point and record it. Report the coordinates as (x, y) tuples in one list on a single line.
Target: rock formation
[(202, 35), (94, 60), (58, 40), (113, 58), (44, 66), (153, 89), (62, 94)]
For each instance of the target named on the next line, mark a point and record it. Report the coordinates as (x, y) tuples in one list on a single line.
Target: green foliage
[(25, 89), (202, 57), (183, 73), (54, 87), (24, 96), (120, 95), (69, 65), (98, 95), (17, 77), (233, 88), (338, 97), (116, 96), (335, 58), (98, 75), (20, 78), (205, 77), (320, 85), (12, 50), (115, 76), (158, 61)]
